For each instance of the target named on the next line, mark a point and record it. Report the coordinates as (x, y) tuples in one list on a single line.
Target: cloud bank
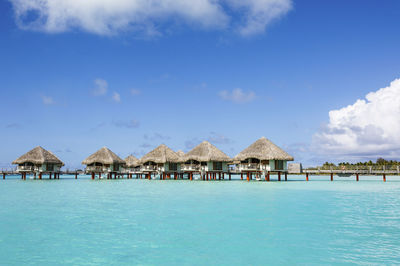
[(105, 17), (369, 128)]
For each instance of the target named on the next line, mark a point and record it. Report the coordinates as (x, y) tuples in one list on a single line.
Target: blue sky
[(178, 77)]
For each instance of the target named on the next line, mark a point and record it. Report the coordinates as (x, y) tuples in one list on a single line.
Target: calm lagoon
[(125, 222)]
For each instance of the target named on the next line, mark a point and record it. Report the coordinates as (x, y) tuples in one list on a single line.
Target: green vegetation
[(379, 164)]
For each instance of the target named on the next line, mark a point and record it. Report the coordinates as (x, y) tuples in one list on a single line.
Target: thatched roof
[(132, 161), (104, 156), (180, 153), (206, 152), (161, 154), (38, 156), (263, 149)]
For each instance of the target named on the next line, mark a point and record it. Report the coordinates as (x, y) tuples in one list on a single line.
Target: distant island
[(380, 163)]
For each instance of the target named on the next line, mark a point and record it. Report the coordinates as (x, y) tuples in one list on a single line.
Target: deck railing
[(149, 168), (190, 167), (97, 169), (250, 166), (27, 168)]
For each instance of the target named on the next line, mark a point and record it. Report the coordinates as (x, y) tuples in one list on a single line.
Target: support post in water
[(285, 176), (279, 176), (331, 176), (4, 175), (384, 177), (357, 177), (248, 177), (306, 176)]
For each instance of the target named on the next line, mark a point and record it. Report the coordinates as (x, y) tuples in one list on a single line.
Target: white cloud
[(259, 13), (366, 129), (47, 100), (116, 97), (106, 17), (135, 92), (101, 87), (127, 124), (237, 96)]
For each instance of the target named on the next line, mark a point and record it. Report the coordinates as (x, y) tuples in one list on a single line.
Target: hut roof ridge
[(104, 156), (263, 149), (38, 155), (161, 154), (205, 152)]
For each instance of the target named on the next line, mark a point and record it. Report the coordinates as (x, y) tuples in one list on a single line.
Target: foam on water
[(125, 222)]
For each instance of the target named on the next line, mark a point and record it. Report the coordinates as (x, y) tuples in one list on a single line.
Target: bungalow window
[(278, 165), (173, 167), (116, 167), (217, 166), (49, 167)]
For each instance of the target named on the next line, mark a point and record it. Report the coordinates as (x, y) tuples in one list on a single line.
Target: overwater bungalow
[(207, 160), (262, 157), (104, 161), (162, 161), (38, 162), (132, 165)]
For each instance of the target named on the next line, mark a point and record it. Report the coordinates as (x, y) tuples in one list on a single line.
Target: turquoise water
[(124, 222)]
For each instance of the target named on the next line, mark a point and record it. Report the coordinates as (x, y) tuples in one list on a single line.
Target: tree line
[(379, 162)]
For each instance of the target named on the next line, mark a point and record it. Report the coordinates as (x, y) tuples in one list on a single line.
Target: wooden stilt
[(92, 176), (279, 176), (241, 176), (248, 176), (267, 177), (99, 175), (306, 176), (4, 175), (285, 176), (384, 177), (40, 175), (331, 176), (230, 176), (76, 175), (357, 178)]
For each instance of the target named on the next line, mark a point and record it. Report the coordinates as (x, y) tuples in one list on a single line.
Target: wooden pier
[(331, 175)]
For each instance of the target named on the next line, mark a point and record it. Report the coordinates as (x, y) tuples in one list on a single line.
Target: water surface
[(124, 222)]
